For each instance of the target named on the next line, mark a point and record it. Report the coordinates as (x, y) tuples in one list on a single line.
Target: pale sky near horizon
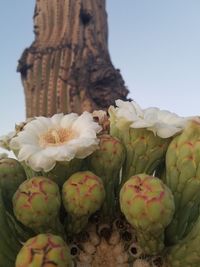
[(155, 44)]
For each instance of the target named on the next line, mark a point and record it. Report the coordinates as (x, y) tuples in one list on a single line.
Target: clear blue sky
[(155, 43)]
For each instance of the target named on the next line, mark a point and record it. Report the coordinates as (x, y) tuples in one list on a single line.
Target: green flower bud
[(108, 159), (83, 194), (44, 250), (36, 203), (183, 178), (11, 176), (148, 206)]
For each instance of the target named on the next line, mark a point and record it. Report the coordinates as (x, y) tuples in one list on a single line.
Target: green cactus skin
[(36, 204), (19, 231), (183, 178), (9, 245), (144, 150), (106, 162), (44, 250), (82, 194), (186, 253), (11, 176), (148, 206), (63, 170), (59, 174)]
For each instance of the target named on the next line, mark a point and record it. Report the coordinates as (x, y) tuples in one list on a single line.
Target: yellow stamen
[(55, 137)]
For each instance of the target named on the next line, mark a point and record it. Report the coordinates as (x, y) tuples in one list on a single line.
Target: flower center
[(55, 137)]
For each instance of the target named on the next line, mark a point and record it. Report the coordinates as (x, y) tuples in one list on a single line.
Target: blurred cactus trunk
[(68, 67)]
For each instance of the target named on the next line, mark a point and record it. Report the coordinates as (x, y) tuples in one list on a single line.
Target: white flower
[(129, 111), (161, 122), (5, 140), (123, 115), (44, 141)]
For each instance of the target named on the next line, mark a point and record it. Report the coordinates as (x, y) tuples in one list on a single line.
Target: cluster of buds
[(126, 181)]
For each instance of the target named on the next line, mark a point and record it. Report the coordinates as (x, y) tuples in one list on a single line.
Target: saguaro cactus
[(67, 67)]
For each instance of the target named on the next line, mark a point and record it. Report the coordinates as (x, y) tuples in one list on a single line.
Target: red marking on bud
[(73, 184), (62, 254), (26, 206), (32, 195), (31, 242), (41, 184), (137, 188), (189, 143), (128, 202), (51, 243), (34, 183), (91, 188)]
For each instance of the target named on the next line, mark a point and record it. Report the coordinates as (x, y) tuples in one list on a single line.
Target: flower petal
[(166, 132), (27, 151), (86, 125), (39, 162), (68, 120), (141, 124), (60, 153), (56, 119)]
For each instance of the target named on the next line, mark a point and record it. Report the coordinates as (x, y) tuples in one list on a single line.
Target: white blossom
[(5, 140), (162, 123), (44, 141)]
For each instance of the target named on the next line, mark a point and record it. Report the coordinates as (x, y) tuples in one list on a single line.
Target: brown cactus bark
[(68, 68)]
